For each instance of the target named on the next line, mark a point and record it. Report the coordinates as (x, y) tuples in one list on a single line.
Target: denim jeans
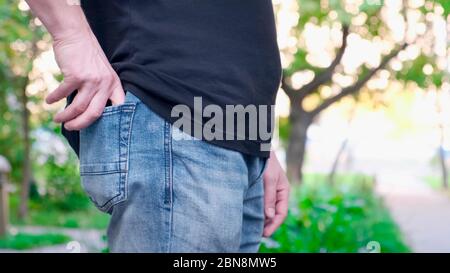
[(167, 193)]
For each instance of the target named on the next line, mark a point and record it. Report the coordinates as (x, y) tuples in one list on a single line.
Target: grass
[(89, 218), (435, 182), (23, 241), (346, 218), (47, 215)]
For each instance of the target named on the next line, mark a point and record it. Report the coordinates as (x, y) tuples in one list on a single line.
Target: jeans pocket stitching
[(123, 186), (125, 107), (126, 112)]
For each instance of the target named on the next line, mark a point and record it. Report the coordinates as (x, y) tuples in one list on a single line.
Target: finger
[(63, 91), (283, 190), (282, 207), (272, 226), (93, 112), (118, 95), (77, 107), (270, 195)]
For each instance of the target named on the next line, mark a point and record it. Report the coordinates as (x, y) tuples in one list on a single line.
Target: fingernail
[(270, 212)]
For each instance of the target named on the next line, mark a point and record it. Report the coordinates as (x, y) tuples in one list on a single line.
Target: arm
[(61, 19), (84, 65)]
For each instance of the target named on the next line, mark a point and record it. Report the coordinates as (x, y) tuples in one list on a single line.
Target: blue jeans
[(165, 194)]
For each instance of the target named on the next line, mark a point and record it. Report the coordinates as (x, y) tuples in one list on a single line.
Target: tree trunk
[(441, 127), (26, 171), (27, 164), (342, 149), (337, 160), (300, 121), (444, 171)]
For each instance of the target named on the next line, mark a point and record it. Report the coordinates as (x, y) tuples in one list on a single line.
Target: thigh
[(209, 185), (122, 161), (253, 212), (142, 222), (168, 193)]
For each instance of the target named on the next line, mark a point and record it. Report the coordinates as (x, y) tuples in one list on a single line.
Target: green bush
[(343, 217), (22, 241), (43, 213), (435, 182), (62, 187), (57, 198)]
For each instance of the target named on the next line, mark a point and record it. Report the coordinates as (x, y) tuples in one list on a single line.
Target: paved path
[(422, 213)]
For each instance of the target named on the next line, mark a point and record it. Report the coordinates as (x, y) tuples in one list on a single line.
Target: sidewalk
[(422, 213)]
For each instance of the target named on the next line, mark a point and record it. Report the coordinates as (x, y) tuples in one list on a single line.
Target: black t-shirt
[(167, 52)]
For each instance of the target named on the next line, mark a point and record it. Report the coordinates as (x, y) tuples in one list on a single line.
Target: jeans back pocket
[(104, 156)]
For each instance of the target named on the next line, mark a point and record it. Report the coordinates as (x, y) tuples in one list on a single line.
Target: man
[(134, 65)]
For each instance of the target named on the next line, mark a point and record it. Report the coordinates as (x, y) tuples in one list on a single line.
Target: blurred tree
[(445, 56), (384, 29), (342, 149), (21, 36)]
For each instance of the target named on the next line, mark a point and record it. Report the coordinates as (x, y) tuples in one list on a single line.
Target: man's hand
[(276, 195), (86, 69), (81, 59)]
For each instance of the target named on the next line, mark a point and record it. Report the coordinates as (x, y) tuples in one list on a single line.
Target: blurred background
[(363, 129)]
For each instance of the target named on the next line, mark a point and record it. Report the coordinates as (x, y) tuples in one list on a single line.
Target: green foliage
[(373, 27), (300, 64), (371, 7), (414, 72), (445, 5), (436, 183), (311, 10), (105, 239), (18, 37), (90, 218), (340, 218), (59, 199), (284, 129), (56, 191), (62, 186), (49, 214), (23, 241)]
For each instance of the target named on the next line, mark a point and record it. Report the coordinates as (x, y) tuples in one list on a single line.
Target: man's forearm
[(82, 61), (62, 18)]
